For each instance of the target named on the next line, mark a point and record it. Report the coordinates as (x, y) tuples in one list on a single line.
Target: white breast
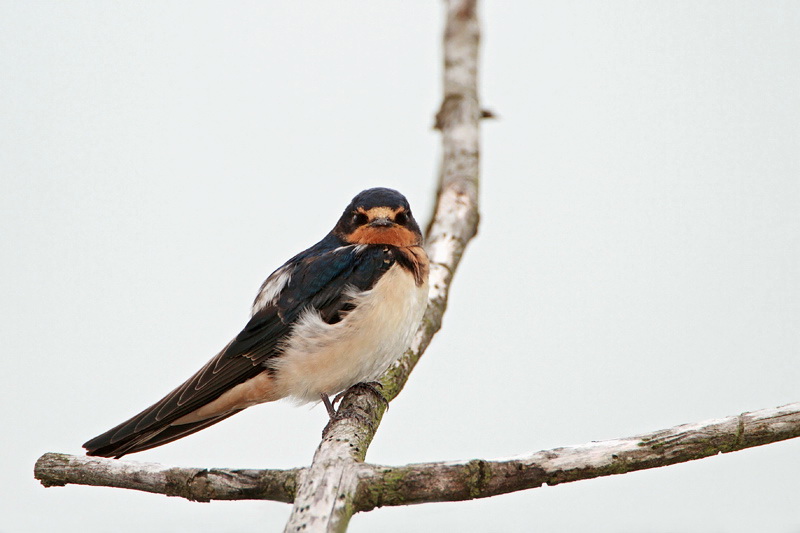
[(329, 358)]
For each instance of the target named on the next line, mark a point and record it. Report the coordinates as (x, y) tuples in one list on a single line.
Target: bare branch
[(338, 483), (196, 484), (455, 481)]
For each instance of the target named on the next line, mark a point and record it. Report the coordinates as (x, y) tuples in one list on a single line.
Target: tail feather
[(106, 445)]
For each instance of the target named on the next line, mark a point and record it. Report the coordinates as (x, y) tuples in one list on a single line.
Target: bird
[(332, 317)]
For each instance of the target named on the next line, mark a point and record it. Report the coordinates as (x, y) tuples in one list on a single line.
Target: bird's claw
[(371, 386)]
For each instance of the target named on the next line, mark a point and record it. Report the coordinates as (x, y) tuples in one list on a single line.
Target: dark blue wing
[(321, 278)]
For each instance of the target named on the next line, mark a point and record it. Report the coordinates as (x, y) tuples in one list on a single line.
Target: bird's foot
[(328, 406), (371, 386)]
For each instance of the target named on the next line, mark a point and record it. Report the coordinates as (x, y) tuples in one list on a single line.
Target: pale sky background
[(638, 263)]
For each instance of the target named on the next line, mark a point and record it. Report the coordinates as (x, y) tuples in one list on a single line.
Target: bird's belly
[(321, 358)]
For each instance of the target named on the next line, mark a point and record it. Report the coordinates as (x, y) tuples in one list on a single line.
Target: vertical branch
[(455, 219), (327, 489)]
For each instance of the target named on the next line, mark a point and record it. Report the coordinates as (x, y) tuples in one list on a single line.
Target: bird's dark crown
[(378, 197), (379, 216)]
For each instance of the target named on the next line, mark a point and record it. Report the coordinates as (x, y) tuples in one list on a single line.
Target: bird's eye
[(359, 219), (401, 218)]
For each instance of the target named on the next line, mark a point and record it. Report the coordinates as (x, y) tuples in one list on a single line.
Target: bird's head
[(379, 216)]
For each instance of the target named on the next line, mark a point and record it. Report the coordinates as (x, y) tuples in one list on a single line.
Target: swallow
[(334, 316)]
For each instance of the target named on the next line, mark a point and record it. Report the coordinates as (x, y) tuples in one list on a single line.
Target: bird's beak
[(381, 222)]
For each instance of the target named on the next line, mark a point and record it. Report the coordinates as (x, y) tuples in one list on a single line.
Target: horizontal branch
[(196, 484), (436, 482), (447, 481)]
